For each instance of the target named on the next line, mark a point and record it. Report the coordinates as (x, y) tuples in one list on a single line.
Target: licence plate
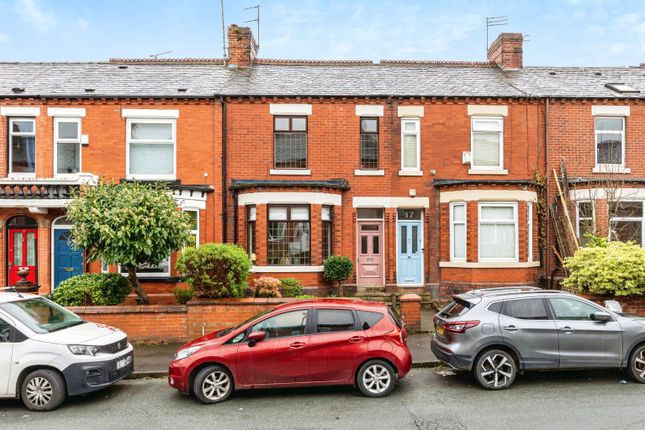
[(125, 361), (440, 331)]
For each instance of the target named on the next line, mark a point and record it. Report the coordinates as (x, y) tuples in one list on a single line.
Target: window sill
[(290, 172), (490, 264), (151, 177), (410, 172), (286, 269), (611, 168), (487, 172), (377, 172)]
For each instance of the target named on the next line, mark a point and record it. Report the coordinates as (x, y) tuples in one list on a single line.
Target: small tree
[(128, 224), (338, 268)]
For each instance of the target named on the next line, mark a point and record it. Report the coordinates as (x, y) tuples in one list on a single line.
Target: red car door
[(337, 346), (280, 358)]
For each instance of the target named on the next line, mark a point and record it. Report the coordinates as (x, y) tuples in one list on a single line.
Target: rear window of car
[(369, 319), (331, 320), (456, 309), (525, 309)]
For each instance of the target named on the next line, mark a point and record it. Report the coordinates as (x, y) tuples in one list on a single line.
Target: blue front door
[(68, 261), (409, 253)]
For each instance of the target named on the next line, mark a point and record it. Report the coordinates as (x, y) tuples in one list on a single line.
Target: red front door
[(22, 253), (370, 253)]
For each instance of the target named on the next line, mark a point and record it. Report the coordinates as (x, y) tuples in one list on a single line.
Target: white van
[(48, 353)]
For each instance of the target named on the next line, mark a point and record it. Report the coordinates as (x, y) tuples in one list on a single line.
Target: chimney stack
[(242, 47), (506, 51)]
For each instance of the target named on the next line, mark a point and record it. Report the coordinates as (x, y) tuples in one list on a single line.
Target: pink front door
[(370, 253)]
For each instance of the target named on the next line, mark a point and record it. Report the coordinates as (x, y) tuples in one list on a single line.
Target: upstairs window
[(67, 135), (288, 242), (151, 148), (22, 147), (487, 143), (410, 143), (369, 143), (290, 140), (610, 141)]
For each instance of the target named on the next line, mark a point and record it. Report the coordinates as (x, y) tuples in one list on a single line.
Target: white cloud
[(82, 24), (32, 11), (4, 38)]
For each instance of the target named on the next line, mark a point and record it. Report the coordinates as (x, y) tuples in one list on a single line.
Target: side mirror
[(614, 306), (256, 336), (601, 317)]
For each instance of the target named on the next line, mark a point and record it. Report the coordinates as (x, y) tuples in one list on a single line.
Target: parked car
[(304, 343), (498, 332), (48, 353)]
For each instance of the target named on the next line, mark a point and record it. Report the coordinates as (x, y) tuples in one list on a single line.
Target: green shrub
[(291, 287), (614, 268), (305, 296), (338, 269), (215, 270), (98, 289), (267, 287), (183, 295)]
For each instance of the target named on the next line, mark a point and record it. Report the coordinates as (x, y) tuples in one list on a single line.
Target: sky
[(560, 32)]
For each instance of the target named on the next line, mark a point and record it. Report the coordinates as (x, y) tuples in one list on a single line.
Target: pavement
[(425, 399), (152, 360)]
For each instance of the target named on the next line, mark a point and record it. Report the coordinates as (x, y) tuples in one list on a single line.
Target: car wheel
[(495, 369), (636, 367), (43, 390), (376, 378), (213, 384)]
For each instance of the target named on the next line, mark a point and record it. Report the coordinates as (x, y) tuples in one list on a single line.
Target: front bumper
[(177, 376), (86, 377)]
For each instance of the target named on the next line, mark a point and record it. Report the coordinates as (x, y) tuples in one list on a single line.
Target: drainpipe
[(235, 217), (224, 171), (548, 193)]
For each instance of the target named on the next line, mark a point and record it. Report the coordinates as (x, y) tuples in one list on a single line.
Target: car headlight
[(83, 349), (186, 352)]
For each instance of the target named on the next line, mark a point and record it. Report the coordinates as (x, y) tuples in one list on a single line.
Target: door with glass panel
[(370, 253), (22, 253), (409, 246)]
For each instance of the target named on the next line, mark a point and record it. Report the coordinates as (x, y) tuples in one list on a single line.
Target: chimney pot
[(506, 51), (242, 47)]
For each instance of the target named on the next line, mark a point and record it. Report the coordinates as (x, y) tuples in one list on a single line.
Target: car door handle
[(356, 339), (297, 345), (511, 328), (567, 330)]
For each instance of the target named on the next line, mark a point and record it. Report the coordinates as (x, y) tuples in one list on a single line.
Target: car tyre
[(636, 368), (43, 390), (213, 384), (376, 378), (495, 369)]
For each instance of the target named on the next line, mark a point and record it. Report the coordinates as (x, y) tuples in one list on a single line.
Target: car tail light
[(459, 326)]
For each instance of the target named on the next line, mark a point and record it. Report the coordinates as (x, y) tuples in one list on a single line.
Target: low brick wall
[(179, 323), (632, 305)]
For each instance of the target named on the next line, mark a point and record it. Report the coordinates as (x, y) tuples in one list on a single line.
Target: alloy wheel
[(216, 385), (376, 379), (39, 391), (639, 364), (496, 371)]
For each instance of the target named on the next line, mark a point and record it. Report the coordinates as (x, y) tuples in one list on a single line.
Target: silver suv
[(497, 332)]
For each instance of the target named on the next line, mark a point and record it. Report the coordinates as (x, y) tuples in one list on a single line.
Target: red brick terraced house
[(423, 173)]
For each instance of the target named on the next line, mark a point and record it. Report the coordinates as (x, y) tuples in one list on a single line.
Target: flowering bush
[(267, 287)]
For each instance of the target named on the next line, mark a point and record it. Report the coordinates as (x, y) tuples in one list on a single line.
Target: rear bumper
[(86, 377), (446, 356)]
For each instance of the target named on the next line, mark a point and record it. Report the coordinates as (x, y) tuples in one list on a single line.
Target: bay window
[(626, 221), (151, 148), (288, 236), (194, 226), (251, 215), (458, 231), (498, 232), (487, 143), (326, 232), (585, 220)]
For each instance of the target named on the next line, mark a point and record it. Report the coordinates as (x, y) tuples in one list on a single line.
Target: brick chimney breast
[(506, 51), (242, 47)]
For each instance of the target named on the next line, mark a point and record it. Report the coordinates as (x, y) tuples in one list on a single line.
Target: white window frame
[(194, 232), (57, 140), (529, 231), (11, 135), (173, 123), (600, 166), (500, 121), (480, 222), (417, 133), (628, 219), (585, 218), (452, 231)]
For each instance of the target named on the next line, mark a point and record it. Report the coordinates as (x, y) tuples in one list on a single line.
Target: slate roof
[(209, 77)]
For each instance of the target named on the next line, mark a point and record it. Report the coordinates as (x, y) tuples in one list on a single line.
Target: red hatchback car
[(305, 343)]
